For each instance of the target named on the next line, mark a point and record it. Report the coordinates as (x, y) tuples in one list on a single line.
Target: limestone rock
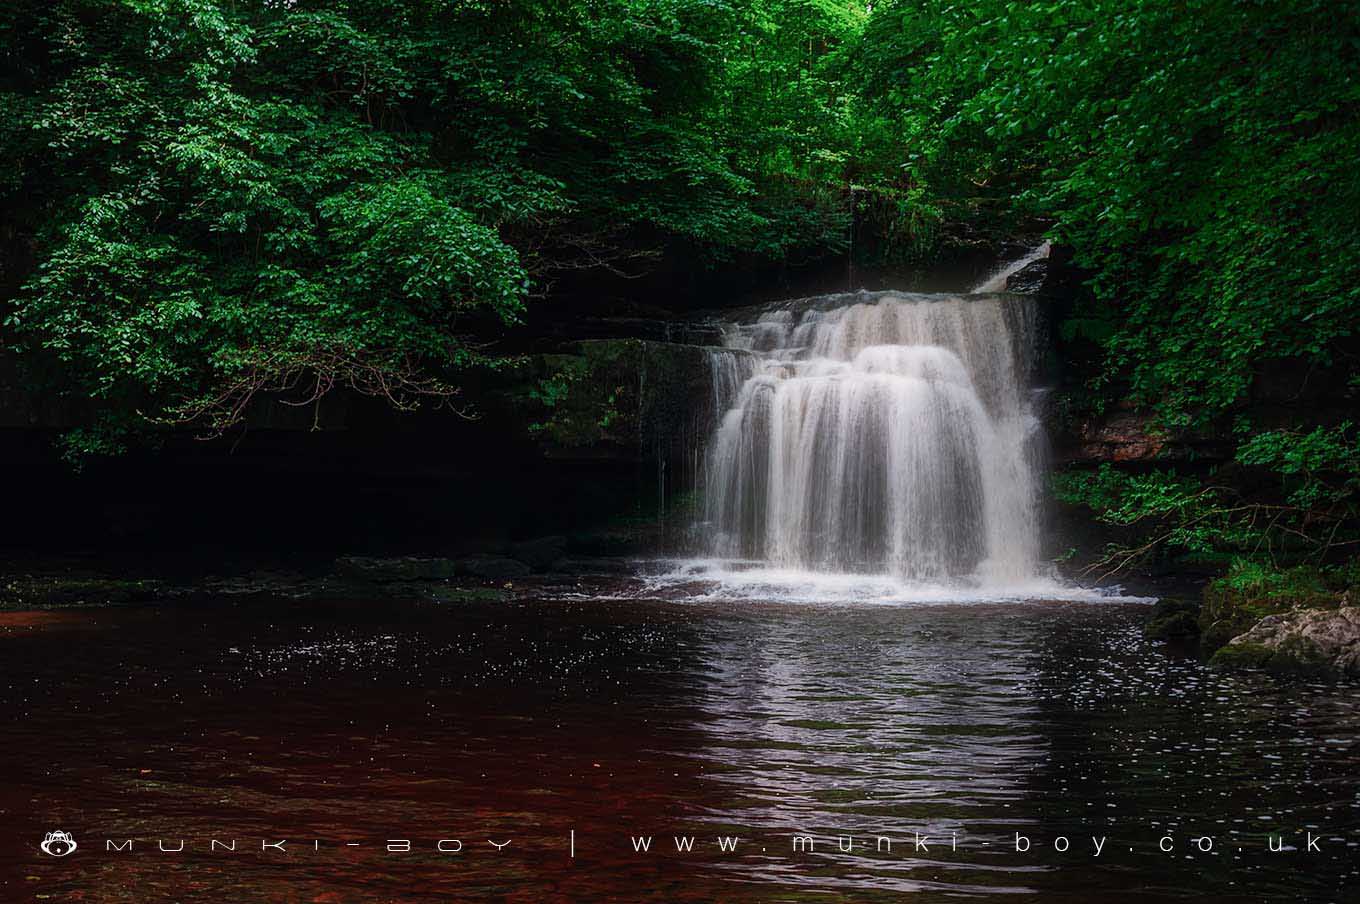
[(1122, 436), (1310, 640), (1127, 434)]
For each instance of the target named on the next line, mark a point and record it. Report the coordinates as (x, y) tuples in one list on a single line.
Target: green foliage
[(580, 398), (555, 388), (207, 203), (1179, 512), (1252, 590), (1123, 498), (1198, 157), (1257, 581), (228, 199), (1320, 469), (1209, 521), (579, 411)]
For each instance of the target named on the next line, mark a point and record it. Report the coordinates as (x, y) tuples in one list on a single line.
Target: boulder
[(620, 540), (1309, 641), (448, 593), (62, 590)]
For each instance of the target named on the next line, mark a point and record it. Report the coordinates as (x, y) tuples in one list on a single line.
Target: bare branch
[(393, 377)]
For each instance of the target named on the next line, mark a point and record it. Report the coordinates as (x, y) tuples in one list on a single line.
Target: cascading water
[(879, 433), (996, 282)]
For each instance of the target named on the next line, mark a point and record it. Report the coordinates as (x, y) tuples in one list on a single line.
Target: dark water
[(341, 726)]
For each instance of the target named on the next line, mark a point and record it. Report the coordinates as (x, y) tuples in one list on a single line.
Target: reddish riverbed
[(524, 751)]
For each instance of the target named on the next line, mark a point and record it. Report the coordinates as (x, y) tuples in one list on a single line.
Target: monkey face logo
[(58, 844)]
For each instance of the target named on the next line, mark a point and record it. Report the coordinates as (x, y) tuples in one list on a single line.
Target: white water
[(880, 434), (996, 282), (876, 446), (707, 580)]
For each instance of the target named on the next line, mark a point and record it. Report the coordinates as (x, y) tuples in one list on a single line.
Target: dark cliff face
[(594, 432), (599, 422)]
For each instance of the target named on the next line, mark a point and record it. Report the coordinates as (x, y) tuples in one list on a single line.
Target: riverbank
[(48, 584)]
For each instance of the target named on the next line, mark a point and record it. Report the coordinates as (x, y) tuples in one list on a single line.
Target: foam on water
[(721, 580)]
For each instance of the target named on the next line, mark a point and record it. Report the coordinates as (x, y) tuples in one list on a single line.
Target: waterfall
[(996, 282), (878, 433)]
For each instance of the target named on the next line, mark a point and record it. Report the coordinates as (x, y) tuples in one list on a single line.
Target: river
[(582, 718)]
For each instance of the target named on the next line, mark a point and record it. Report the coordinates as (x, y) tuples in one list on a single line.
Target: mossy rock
[(73, 591), (1242, 656), (1227, 612), (1173, 619), (492, 568), (1320, 642), (1295, 657), (1214, 635), (1249, 593)]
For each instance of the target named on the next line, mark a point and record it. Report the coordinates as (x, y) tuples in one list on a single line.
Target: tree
[(222, 198)]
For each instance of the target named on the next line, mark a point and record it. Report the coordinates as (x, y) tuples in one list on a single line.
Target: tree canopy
[(1197, 156), (223, 197), (210, 198), (1198, 159)]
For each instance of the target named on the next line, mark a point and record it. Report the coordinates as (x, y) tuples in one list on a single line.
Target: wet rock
[(1121, 437), (541, 553), (444, 593), (492, 568), (625, 399), (280, 585), (416, 569), (1030, 279), (628, 540), (401, 568), (583, 565), (1173, 619), (1308, 642), (1126, 435)]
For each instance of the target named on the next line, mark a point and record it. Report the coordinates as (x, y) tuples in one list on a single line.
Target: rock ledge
[(1310, 641)]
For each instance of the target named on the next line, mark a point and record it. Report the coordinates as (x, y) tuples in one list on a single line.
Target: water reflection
[(618, 719), (872, 724)]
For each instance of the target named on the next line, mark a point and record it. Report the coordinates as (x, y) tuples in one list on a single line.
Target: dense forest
[(209, 201)]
